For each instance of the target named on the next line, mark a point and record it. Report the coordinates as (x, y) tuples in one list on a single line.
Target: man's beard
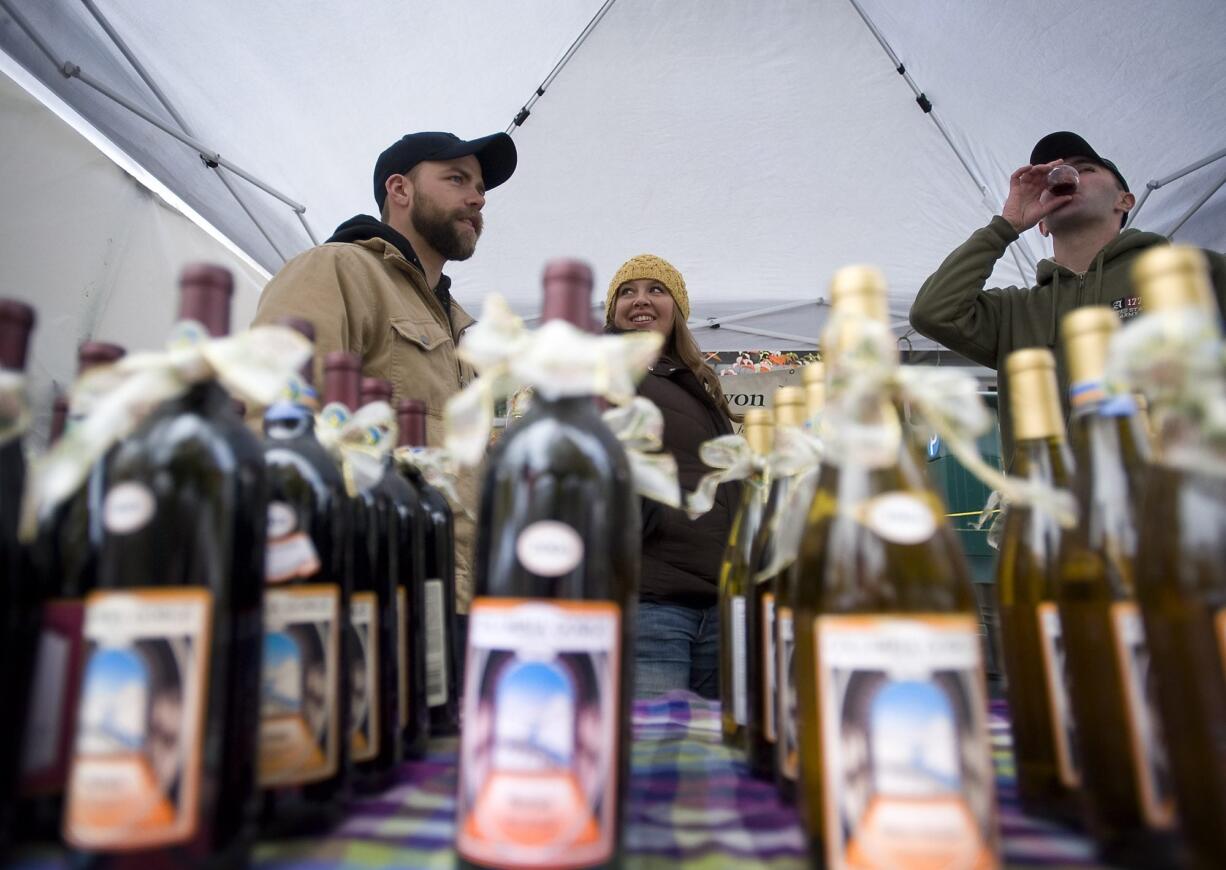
[(439, 229)]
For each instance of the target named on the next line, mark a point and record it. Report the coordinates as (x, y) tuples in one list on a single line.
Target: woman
[(677, 644)]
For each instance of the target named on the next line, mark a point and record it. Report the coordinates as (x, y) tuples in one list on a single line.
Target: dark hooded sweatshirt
[(681, 557), (986, 325)]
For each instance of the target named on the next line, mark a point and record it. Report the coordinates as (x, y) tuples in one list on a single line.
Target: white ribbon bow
[(946, 401), (1175, 358), (112, 400), (439, 469), (639, 426), (361, 442), (556, 360), (733, 459), (14, 409)]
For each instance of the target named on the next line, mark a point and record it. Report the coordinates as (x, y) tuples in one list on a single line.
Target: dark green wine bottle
[(304, 765), (544, 759), (165, 756)]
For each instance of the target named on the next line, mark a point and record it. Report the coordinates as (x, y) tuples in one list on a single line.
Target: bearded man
[(376, 287)]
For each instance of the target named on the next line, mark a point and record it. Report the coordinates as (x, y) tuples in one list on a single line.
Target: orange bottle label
[(539, 749), (300, 728), (136, 766), (364, 675), (908, 776)]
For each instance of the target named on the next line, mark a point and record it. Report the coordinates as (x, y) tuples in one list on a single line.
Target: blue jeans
[(677, 647)]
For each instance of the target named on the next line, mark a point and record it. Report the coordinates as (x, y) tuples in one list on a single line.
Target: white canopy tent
[(758, 146)]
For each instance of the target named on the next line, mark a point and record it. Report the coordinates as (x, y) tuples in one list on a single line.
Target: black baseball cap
[(495, 153), (1063, 145)]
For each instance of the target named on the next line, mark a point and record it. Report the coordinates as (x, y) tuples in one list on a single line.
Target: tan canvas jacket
[(366, 298)]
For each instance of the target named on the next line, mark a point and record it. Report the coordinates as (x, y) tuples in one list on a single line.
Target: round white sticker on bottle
[(900, 517), (128, 506), (549, 548), (281, 520)]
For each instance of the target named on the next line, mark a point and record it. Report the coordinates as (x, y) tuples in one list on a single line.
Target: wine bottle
[(164, 755), (408, 565), (895, 768), (442, 672), (1129, 807), (734, 587), (789, 413), (1032, 639), (65, 557), (18, 605), (787, 760), (1181, 583), (304, 764), (547, 693), (373, 629)]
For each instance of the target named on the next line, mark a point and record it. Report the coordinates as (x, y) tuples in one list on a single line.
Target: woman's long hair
[(684, 348)]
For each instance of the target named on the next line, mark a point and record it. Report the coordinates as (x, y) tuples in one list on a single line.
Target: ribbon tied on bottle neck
[(440, 470), (361, 442), (556, 360), (945, 402), (1175, 358), (14, 409), (110, 401), (639, 426)]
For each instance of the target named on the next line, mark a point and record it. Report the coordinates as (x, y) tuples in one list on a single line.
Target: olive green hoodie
[(986, 325)]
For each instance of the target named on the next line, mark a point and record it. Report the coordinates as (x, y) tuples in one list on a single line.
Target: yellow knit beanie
[(651, 267)]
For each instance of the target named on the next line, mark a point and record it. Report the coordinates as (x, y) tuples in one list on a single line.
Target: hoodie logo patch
[(1127, 307)]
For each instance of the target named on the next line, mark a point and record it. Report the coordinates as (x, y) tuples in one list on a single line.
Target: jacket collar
[(1126, 242)]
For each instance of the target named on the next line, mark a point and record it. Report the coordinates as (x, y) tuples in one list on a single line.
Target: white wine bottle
[(548, 685), (789, 411), (895, 768), (787, 757), (1126, 794), (1031, 637), (734, 582), (1181, 554)]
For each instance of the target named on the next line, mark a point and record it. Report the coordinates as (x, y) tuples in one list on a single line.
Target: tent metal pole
[(926, 105), (72, 70), (526, 109), (717, 322), (770, 333), (1151, 186), (1196, 206), (152, 84)]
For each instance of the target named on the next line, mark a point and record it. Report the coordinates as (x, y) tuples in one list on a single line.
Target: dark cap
[(1063, 145), (495, 153)]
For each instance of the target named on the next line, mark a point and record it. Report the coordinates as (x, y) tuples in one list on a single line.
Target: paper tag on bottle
[(290, 553), (766, 703), (300, 728), (539, 748), (740, 671), (1144, 727), (402, 652), (785, 672), (908, 777), (1055, 670), (900, 517), (127, 508), (51, 716), (136, 768), (549, 548), (436, 644), (363, 639)]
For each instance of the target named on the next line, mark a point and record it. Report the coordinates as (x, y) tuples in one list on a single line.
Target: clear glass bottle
[(735, 581)]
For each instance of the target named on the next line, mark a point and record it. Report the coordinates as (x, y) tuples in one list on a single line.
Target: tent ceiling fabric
[(758, 146)]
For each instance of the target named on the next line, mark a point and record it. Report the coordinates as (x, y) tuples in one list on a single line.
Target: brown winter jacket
[(368, 296), (681, 557)]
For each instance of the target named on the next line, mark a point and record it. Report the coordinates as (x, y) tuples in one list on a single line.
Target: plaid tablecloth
[(693, 804)]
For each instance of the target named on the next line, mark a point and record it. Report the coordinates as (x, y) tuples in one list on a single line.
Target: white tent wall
[(757, 145), (96, 252)]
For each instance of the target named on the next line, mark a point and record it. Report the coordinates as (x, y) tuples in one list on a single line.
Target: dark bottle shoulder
[(302, 458), (563, 436), (195, 427)]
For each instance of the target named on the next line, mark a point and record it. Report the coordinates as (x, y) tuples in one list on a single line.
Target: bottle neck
[(284, 421), (1046, 459)]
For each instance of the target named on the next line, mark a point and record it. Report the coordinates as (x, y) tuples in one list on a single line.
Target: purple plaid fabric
[(692, 804)]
